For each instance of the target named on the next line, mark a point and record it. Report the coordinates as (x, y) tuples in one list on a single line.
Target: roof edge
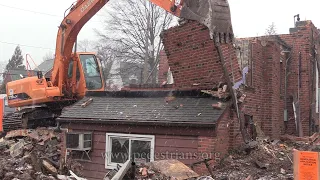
[(142, 123), (154, 94)]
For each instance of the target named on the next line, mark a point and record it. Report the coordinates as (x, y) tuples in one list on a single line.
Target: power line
[(24, 45), (29, 10), (37, 12)]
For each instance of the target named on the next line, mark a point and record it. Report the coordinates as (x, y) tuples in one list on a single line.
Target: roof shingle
[(186, 110)]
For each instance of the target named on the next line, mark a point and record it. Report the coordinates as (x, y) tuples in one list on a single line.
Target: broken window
[(122, 147), (79, 144)]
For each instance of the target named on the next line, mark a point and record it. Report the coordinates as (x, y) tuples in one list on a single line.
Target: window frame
[(86, 66), (83, 63), (141, 137), (81, 136)]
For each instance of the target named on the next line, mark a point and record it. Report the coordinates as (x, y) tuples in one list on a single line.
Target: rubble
[(34, 154), (156, 170), (268, 160)]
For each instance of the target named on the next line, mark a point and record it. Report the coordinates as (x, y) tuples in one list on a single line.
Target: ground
[(36, 154), (269, 160)]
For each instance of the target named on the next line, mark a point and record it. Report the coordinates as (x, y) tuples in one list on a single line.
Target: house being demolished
[(196, 118)]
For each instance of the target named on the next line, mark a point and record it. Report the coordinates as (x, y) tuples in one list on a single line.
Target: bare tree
[(134, 26), (106, 57), (85, 45), (271, 30), (49, 55)]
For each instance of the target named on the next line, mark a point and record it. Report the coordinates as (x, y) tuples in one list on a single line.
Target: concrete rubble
[(34, 154)]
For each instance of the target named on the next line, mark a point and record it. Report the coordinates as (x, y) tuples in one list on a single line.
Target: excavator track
[(12, 121), (30, 118)]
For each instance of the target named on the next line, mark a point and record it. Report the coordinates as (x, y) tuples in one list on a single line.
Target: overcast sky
[(36, 32)]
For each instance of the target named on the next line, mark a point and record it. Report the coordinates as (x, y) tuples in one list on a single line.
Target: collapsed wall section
[(193, 58)]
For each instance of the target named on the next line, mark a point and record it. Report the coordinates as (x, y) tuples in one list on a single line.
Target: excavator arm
[(215, 14), (79, 15)]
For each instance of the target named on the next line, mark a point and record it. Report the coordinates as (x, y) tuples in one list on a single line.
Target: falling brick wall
[(193, 58)]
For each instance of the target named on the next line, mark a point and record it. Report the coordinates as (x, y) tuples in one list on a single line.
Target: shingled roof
[(14, 74), (154, 109), (46, 66)]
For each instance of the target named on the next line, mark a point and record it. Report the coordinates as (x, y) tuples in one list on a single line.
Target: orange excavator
[(40, 100)]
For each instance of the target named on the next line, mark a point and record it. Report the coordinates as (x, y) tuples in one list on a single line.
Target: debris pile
[(156, 170), (268, 160), (33, 154), (165, 169)]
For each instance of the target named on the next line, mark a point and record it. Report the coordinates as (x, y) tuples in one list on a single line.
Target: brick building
[(282, 77), (271, 83), (265, 71)]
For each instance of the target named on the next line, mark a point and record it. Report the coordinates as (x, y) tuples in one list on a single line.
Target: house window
[(79, 144), (122, 147)]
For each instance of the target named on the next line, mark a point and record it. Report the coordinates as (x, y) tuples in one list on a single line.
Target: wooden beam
[(122, 171)]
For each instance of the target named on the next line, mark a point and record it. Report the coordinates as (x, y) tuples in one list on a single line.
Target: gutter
[(137, 122)]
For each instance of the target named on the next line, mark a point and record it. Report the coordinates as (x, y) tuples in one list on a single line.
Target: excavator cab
[(39, 101), (92, 72), (84, 73)]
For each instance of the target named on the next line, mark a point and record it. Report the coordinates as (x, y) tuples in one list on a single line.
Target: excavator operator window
[(91, 71)]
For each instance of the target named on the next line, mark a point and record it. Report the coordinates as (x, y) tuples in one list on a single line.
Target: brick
[(193, 51)]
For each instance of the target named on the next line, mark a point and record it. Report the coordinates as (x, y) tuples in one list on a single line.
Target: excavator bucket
[(215, 14)]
